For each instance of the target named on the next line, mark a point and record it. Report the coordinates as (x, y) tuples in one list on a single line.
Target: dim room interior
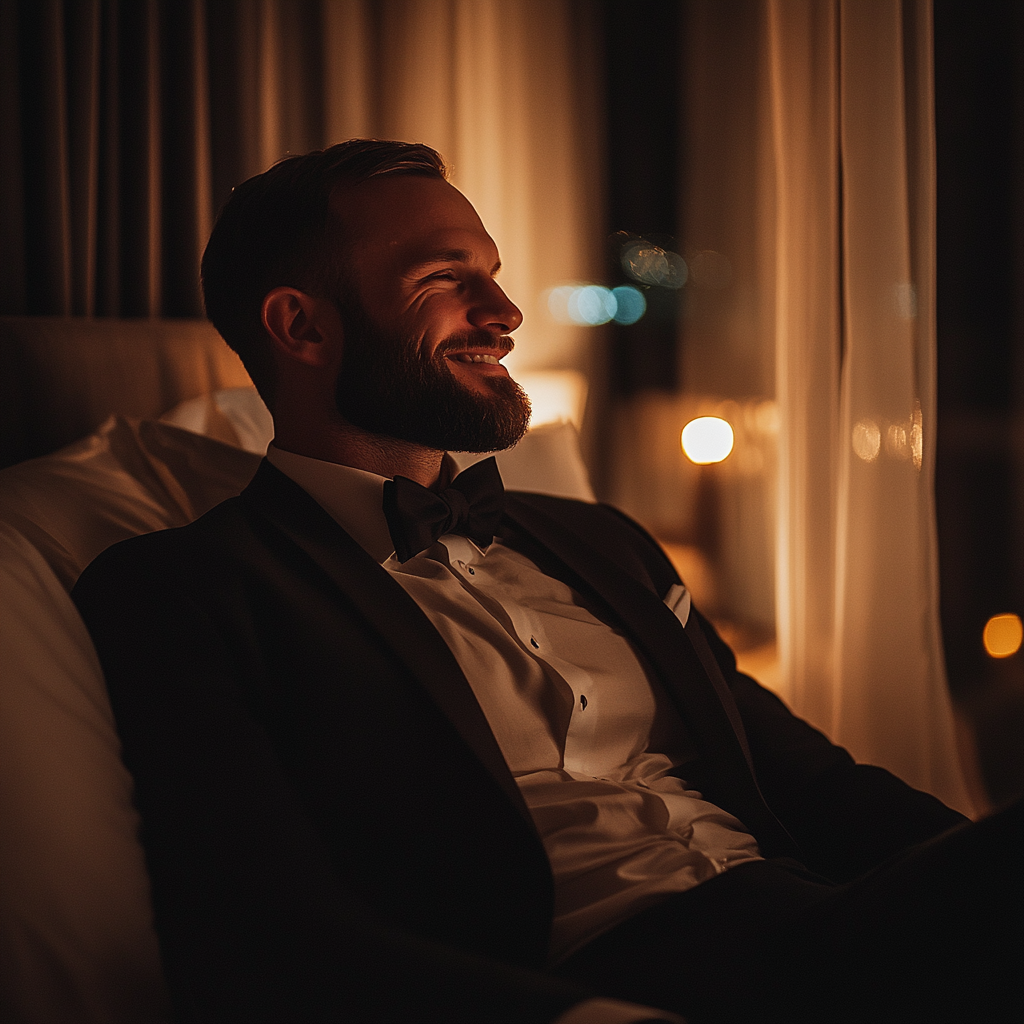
[(769, 255)]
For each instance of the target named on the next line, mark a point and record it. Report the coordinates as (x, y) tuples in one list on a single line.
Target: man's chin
[(441, 406)]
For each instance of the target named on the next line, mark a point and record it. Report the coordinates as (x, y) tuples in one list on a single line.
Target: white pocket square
[(678, 601)]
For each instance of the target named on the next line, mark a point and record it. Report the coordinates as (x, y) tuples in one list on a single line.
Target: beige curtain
[(854, 329), (509, 93), (127, 123), (808, 186)]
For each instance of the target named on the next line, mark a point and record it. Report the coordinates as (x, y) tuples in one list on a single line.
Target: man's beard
[(386, 387)]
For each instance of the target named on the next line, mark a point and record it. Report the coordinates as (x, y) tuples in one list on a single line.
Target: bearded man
[(407, 748)]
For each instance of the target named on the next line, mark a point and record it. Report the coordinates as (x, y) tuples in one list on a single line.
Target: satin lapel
[(388, 609), (701, 691)]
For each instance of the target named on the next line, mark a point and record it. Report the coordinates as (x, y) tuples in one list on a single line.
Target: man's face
[(425, 322)]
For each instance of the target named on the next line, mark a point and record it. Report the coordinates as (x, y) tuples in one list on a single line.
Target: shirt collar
[(352, 497)]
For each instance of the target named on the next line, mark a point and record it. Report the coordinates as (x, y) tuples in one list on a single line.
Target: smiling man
[(410, 349), (409, 748)]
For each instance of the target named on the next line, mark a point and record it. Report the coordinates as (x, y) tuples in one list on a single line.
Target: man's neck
[(348, 445)]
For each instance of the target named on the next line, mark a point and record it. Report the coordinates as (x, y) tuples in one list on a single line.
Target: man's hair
[(276, 229)]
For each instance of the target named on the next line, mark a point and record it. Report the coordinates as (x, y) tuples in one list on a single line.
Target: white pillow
[(76, 932), (235, 415), (546, 461), (129, 477)]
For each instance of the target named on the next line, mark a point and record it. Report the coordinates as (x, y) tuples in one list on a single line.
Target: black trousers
[(934, 935)]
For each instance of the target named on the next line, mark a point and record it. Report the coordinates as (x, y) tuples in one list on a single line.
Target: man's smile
[(484, 358), (486, 363), (470, 357)]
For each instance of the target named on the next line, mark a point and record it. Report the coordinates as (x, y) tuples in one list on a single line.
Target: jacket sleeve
[(846, 817), (255, 921)]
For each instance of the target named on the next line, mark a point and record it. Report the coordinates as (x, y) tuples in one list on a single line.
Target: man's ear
[(302, 327)]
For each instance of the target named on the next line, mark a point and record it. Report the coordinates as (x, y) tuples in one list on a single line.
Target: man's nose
[(494, 310)]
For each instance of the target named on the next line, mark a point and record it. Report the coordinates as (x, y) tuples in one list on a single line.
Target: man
[(409, 749)]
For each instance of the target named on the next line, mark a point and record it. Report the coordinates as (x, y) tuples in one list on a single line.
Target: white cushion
[(129, 477), (76, 933)]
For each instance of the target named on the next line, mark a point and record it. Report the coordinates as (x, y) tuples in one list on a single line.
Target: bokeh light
[(867, 440), (630, 304), (896, 443), (590, 305), (707, 439), (902, 441), (916, 436), (649, 264), (558, 302), (1003, 635)]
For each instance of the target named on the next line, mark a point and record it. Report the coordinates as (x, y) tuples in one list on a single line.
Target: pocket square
[(678, 601)]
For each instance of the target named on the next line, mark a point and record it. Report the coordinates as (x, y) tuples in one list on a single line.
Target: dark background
[(979, 99)]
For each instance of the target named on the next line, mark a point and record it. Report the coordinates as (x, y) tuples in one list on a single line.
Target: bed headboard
[(60, 377)]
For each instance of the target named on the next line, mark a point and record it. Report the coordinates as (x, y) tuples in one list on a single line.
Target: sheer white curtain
[(851, 101)]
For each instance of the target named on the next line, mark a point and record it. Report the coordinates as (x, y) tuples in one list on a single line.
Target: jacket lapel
[(681, 657), (388, 610)]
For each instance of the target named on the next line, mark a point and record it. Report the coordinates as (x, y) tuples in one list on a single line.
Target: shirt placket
[(469, 564)]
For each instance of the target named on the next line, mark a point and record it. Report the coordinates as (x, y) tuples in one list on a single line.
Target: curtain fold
[(857, 586), (126, 124), (808, 337)]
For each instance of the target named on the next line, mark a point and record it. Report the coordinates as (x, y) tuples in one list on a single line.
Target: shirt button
[(583, 702), (533, 641)]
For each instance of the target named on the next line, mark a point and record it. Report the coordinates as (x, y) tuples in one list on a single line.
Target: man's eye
[(443, 275)]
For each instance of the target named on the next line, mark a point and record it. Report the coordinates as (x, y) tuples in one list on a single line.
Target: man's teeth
[(466, 357)]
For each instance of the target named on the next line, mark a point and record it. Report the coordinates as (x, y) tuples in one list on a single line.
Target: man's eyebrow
[(449, 256)]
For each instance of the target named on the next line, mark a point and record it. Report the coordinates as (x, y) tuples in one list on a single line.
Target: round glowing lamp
[(707, 439), (1002, 635)]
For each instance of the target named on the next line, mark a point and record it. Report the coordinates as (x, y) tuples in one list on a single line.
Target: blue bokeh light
[(630, 304), (592, 305)]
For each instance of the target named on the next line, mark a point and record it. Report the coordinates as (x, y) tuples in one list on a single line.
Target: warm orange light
[(867, 440), (707, 439), (1003, 635)]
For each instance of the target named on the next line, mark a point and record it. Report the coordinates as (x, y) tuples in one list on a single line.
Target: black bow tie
[(470, 505)]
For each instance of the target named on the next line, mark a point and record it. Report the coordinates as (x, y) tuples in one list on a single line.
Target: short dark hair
[(275, 229)]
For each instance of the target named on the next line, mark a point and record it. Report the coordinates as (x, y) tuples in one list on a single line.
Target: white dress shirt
[(586, 731)]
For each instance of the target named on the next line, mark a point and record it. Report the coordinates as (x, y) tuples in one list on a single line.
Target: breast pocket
[(678, 602)]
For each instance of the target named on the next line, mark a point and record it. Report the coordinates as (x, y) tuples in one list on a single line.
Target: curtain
[(851, 97), (127, 123), (807, 207)]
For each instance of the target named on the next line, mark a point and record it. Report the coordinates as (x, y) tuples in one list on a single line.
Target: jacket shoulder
[(603, 528)]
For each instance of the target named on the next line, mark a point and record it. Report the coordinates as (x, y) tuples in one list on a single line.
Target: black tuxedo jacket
[(331, 830)]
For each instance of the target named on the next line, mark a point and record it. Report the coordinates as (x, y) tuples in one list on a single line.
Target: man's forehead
[(409, 216)]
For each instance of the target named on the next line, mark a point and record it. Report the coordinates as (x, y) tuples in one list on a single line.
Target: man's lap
[(934, 934)]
